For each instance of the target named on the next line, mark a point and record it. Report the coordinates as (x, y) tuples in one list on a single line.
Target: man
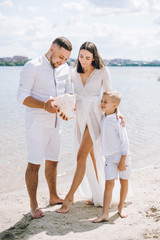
[(41, 80)]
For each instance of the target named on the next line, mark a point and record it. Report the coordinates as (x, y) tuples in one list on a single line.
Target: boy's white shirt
[(114, 136)]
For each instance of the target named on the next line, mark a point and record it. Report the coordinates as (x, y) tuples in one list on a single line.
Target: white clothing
[(43, 143), (114, 136), (88, 113), (111, 170), (41, 81), (38, 79)]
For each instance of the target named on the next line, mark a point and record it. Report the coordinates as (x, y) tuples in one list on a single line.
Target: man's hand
[(50, 107), (122, 163)]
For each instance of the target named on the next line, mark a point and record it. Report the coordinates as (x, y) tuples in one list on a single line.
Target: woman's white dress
[(88, 113)]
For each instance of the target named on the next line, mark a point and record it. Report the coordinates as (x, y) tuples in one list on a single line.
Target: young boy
[(115, 149)]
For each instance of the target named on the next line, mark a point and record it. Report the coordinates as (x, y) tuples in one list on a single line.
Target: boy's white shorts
[(111, 170), (43, 142)]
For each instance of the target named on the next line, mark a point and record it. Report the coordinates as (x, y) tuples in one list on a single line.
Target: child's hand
[(122, 164), (121, 167)]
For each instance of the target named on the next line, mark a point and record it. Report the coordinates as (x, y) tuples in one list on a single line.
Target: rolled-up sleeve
[(106, 80), (26, 82), (123, 139)]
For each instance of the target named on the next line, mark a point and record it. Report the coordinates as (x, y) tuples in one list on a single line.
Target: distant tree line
[(13, 61), (18, 63), (21, 60)]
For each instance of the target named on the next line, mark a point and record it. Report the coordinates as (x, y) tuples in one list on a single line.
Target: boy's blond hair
[(115, 96)]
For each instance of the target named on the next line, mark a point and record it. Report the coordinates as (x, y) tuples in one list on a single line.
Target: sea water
[(140, 89)]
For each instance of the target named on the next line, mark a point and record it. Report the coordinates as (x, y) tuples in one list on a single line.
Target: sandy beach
[(143, 221)]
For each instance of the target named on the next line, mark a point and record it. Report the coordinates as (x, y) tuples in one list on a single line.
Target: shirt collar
[(111, 116), (46, 60)]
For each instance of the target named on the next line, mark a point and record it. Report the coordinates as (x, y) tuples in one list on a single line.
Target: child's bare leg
[(123, 195), (106, 201)]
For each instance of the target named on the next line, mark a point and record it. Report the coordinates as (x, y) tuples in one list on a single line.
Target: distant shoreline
[(116, 62), (106, 65)]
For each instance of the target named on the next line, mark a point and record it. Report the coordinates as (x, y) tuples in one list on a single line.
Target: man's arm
[(34, 103)]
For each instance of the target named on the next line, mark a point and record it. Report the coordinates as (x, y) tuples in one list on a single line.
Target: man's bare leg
[(106, 202), (83, 152), (123, 195), (31, 178), (51, 177)]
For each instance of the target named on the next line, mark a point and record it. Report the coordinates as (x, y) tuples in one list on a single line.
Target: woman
[(90, 77)]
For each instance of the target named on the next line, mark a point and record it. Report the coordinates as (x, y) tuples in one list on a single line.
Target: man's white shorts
[(111, 170), (43, 142)]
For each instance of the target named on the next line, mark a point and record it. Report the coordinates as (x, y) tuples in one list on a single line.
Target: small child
[(115, 149)]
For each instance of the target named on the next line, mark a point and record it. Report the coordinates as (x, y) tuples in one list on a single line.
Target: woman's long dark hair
[(97, 63)]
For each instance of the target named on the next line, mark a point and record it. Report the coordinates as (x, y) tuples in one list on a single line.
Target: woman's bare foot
[(66, 205), (102, 218), (122, 213), (89, 202), (55, 201), (36, 213)]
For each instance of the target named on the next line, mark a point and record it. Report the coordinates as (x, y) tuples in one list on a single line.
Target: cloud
[(24, 36), (107, 7), (72, 6), (157, 20), (73, 12), (32, 9), (110, 11), (113, 3), (82, 21), (7, 3)]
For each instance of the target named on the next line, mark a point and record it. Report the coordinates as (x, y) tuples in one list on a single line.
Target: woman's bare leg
[(90, 202), (83, 152), (94, 163)]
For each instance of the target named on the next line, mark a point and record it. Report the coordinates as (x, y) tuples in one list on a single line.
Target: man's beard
[(52, 64)]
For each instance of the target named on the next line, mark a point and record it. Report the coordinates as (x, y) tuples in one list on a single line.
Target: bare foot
[(65, 206), (102, 218), (122, 213), (36, 213), (55, 201), (89, 202)]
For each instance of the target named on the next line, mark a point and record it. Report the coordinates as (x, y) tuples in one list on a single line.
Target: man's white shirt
[(41, 81)]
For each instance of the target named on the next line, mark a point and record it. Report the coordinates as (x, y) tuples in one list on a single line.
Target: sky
[(128, 29)]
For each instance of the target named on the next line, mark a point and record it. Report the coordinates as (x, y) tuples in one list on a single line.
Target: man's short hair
[(63, 42), (115, 96)]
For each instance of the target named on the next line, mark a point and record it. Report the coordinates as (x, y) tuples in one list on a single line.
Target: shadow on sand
[(78, 219)]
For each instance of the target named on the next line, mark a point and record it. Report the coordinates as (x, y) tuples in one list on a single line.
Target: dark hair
[(63, 42), (97, 63)]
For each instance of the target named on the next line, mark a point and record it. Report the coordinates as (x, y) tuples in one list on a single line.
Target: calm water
[(140, 106)]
